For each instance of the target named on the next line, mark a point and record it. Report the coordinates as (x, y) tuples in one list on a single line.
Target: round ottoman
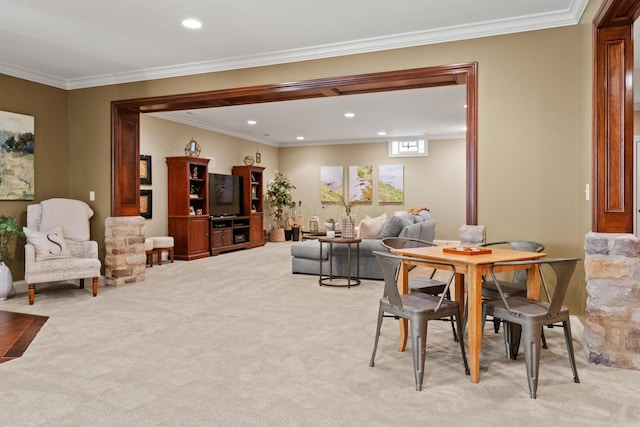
[(163, 243)]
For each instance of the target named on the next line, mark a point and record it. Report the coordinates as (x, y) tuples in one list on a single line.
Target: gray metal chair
[(529, 316), (518, 284), (417, 308), (427, 285), (516, 287)]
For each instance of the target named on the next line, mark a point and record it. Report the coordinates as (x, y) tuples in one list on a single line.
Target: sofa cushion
[(367, 246), (393, 226), (49, 244), (425, 230), (310, 249)]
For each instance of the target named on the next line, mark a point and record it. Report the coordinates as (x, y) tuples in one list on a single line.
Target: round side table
[(330, 279)]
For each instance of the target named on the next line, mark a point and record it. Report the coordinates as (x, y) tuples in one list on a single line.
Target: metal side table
[(328, 280)]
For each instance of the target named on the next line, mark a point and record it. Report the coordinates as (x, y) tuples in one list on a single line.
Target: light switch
[(92, 196), (587, 191)]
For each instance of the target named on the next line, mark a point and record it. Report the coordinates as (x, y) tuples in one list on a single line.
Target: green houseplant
[(279, 197), (9, 232)]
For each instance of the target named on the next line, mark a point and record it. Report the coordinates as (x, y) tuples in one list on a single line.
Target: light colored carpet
[(237, 340)]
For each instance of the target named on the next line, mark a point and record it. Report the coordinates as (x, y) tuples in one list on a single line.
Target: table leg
[(474, 327), (458, 290), (403, 288), (348, 265), (320, 274), (533, 283)]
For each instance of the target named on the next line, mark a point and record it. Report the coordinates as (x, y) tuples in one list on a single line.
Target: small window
[(408, 147)]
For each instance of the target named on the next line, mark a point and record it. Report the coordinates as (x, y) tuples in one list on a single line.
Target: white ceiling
[(74, 44)]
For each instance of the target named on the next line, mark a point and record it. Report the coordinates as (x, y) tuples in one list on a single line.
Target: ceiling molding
[(32, 76), (534, 22), (208, 126)]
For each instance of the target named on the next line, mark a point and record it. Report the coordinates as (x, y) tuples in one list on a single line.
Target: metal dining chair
[(428, 285), (527, 317), (517, 286), (417, 308)]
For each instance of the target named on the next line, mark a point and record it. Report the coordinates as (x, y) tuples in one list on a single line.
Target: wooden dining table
[(473, 267)]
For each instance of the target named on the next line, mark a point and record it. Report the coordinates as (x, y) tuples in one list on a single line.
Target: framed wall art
[(17, 143), (361, 184), (145, 170), (391, 184), (146, 203), (331, 184)]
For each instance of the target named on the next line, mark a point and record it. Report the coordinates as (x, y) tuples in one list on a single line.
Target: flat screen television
[(225, 195)]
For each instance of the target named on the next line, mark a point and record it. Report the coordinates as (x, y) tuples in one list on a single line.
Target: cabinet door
[(256, 233), (221, 237), (199, 235)]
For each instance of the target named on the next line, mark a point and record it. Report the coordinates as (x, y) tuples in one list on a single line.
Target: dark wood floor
[(17, 330)]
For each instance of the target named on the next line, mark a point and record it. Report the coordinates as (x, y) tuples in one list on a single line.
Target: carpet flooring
[(237, 340)]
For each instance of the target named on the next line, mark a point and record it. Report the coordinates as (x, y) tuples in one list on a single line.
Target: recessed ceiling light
[(465, 105), (299, 138), (191, 23), (349, 115), (382, 133), (251, 122)]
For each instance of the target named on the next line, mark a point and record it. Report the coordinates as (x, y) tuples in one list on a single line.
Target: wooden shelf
[(188, 206), (229, 233), (253, 200)]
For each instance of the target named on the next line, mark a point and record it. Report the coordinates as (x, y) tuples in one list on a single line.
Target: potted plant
[(9, 232), (279, 197)]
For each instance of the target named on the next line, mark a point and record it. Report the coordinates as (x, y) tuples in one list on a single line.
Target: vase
[(6, 281), (348, 226)]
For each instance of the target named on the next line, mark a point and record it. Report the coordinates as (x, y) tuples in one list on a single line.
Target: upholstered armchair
[(58, 246)]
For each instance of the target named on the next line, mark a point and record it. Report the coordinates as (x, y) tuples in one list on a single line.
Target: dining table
[(471, 264)]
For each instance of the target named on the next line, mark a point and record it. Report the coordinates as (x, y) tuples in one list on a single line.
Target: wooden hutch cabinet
[(188, 206), (253, 201)]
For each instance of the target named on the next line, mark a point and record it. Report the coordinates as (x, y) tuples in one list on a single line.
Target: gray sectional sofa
[(306, 255)]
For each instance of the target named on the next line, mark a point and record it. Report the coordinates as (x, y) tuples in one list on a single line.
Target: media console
[(229, 233)]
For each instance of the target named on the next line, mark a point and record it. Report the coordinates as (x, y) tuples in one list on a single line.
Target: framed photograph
[(146, 203), (145, 170)]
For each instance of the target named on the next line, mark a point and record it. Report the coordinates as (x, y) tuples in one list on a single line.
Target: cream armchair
[(58, 246)]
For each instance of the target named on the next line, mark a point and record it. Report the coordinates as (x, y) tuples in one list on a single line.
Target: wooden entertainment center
[(197, 234)]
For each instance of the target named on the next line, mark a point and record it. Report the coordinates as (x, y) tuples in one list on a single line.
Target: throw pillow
[(370, 228), (393, 226), (377, 218), (49, 244)]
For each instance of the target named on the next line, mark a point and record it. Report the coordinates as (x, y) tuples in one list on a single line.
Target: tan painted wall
[(52, 149), (436, 181), (162, 138), (534, 128)]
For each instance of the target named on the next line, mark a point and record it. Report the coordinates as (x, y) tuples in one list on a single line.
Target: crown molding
[(570, 16)]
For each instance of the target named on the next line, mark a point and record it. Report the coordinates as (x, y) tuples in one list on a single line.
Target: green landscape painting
[(361, 184), (391, 184), (331, 184), (16, 156)]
